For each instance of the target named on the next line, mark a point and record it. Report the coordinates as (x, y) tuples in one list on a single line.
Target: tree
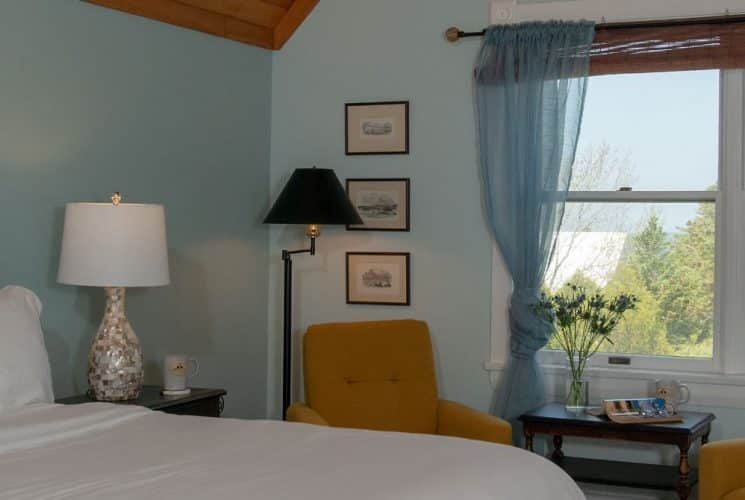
[(596, 168), (673, 279), (688, 283), (642, 330), (648, 253)]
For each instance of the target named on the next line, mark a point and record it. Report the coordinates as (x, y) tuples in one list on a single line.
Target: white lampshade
[(109, 245)]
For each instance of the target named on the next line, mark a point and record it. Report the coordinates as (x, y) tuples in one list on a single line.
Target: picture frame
[(379, 278), (383, 204), (376, 128)]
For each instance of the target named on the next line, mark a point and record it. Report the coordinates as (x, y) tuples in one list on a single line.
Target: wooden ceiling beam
[(296, 14), (265, 23), (241, 31), (187, 16), (281, 3), (252, 11)]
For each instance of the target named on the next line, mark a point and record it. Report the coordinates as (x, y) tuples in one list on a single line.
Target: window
[(658, 134), (677, 239), (672, 138)]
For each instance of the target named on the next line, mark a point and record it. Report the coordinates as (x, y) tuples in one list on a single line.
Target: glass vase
[(578, 394), (577, 386)]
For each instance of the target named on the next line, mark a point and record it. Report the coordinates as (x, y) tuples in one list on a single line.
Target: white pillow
[(25, 376)]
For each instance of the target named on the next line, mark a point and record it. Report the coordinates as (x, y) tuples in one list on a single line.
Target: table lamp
[(312, 196), (114, 245)]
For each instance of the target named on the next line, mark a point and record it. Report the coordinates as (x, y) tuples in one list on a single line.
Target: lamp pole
[(287, 337)]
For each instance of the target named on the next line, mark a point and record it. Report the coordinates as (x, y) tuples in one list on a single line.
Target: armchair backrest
[(372, 375)]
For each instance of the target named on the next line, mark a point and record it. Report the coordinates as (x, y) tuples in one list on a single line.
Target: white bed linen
[(25, 376), (104, 451)]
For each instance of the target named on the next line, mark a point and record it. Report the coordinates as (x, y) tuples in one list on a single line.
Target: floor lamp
[(312, 196)]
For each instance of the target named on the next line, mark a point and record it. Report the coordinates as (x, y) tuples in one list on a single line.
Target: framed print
[(377, 128), (378, 278), (383, 204)]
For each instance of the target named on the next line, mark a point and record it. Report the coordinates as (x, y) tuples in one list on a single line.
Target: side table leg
[(705, 437), (557, 453), (684, 487), (528, 439)]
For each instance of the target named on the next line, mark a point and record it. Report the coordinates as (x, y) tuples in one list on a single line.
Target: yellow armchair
[(380, 375), (721, 470), (455, 419), (298, 412)]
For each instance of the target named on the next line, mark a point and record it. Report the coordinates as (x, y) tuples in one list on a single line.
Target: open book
[(636, 411)]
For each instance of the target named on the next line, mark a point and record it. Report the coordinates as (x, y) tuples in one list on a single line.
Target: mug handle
[(195, 365), (684, 388)]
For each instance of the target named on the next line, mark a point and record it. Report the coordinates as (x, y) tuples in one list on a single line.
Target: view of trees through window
[(663, 252)]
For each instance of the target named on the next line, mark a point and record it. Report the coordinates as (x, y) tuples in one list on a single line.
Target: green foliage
[(642, 331), (673, 279), (686, 302), (649, 251)]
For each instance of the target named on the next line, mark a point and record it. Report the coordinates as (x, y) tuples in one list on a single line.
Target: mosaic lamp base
[(115, 362)]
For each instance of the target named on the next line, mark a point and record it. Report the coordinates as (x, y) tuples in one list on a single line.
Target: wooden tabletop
[(556, 413), (151, 397)]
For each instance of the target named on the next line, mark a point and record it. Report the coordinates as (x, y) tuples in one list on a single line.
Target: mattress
[(107, 451)]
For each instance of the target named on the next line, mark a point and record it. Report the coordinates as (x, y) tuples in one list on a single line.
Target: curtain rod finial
[(452, 34)]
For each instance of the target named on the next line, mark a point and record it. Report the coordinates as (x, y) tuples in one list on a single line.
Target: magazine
[(636, 411)]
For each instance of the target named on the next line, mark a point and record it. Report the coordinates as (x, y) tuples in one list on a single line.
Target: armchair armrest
[(301, 413), (720, 466), (455, 419)]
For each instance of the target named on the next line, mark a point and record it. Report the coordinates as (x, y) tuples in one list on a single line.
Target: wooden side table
[(554, 420), (201, 402)]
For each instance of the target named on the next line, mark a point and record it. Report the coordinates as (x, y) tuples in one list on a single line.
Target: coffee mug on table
[(175, 373), (673, 392)]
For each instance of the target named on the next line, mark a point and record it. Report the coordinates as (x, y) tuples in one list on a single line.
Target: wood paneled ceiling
[(265, 23)]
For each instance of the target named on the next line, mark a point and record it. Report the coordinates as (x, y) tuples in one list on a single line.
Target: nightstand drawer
[(199, 402), (203, 408)]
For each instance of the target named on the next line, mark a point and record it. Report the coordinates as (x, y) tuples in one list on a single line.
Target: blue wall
[(357, 50), (92, 101)]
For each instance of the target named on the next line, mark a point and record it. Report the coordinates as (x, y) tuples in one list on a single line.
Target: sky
[(667, 124)]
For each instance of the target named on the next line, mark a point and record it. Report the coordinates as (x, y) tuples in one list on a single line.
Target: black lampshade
[(313, 196)]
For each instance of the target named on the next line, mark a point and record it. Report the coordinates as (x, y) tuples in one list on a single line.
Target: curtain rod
[(454, 34)]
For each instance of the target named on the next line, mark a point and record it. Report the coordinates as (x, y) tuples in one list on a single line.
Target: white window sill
[(707, 389)]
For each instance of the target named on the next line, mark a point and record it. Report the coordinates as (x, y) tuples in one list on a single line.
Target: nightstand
[(553, 419), (200, 403)]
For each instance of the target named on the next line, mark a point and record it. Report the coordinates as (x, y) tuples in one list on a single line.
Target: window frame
[(729, 296)]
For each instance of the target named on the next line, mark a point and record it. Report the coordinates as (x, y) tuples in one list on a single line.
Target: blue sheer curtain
[(530, 81)]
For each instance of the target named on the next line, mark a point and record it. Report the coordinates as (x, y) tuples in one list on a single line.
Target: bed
[(101, 450), (107, 451)]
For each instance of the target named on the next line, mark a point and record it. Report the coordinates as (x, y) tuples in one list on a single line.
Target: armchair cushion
[(721, 470), (298, 412), (375, 375), (455, 419)]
